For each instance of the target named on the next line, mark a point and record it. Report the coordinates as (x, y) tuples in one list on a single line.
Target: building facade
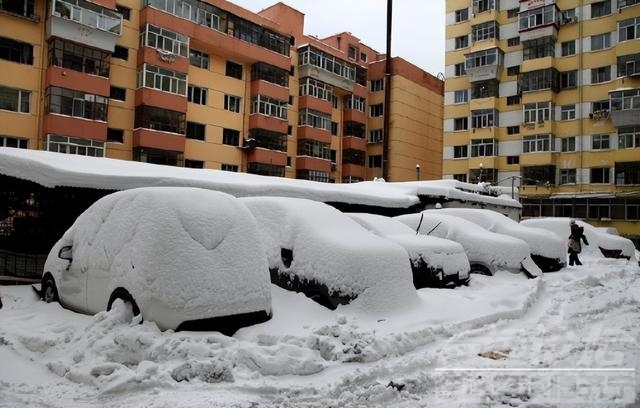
[(208, 84), (544, 95)]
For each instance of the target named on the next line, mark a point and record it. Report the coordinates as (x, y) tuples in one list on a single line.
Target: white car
[(178, 256), (600, 242), (317, 250), (487, 251), (547, 251), (434, 261)]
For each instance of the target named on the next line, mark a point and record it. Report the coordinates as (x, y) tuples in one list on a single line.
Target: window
[(232, 103), (485, 31), (537, 112), (568, 79), (461, 123), (233, 70), (513, 130), (628, 137), (600, 8), (120, 52), (627, 173), (74, 145), (165, 120), (513, 160), (568, 48), (199, 59), (567, 112), (115, 135), (363, 57), (515, 70), (628, 99), (16, 100), (600, 41), (480, 6), (354, 102), (629, 29), (538, 48), (166, 41), (600, 175), (16, 51), (194, 164), (536, 143), (267, 139), (308, 55), (317, 89), (375, 136), (485, 89), (78, 58), (334, 101), (512, 13), (462, 15), (627, 3), (125, 11), (460, 69), (460, 177), (461, 42), (461, 96), (266, 72), (75, 103), (599, 75), (352, 51), (195, 131), (117, 93), (376, 110), (482, 147), (8, 141), (313, 118), (334, 128), (460, 151), (314, 148), (375, 161), (483, 118), (513, 100), (567, 176), (513, 42), (600, 142), (24, 8), (568, 144), (269, 106), (629, 65), (231, 137), (377, 85), (229, 167), (162, 79), (482, 58), (536, 17), (540, 79), (196, 94)]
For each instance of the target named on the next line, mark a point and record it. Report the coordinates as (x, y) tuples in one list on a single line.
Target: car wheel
[(49, 290), (480, 269), (126, 297)]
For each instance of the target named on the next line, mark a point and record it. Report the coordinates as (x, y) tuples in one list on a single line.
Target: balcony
[(265, 156), (353, 170), (313, 163), (311, 102), (160, 99), (143, 137), (79, 81), (75, 127), (308, 132), (261, 87), (354, 143), (259, 121), (85, 23), (484, 65), (625, 107), (538, 159), (354, 115)]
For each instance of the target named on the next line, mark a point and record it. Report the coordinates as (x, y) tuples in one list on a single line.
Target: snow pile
[(331, 249), (597, 238), (494, 251), (539, 240), (438, 253), (180, 252)]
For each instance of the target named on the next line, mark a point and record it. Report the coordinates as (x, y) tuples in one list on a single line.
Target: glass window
[(16, 100), (232, 103)]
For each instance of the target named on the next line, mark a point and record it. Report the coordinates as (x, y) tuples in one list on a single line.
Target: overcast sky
[(418, 25)]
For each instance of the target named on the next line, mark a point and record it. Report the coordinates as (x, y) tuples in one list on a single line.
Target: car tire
[(126, 297), (480, 269), (48, 289)]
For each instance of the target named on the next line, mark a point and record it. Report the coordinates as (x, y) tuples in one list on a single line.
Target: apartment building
[(544, 96), (208, 84)]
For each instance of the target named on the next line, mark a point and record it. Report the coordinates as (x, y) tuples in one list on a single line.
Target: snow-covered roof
[(55, 169)]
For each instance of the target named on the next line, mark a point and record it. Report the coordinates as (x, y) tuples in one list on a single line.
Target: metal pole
[(387, 97), (513, 181)]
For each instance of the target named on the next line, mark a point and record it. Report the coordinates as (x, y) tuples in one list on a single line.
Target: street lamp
[(418, 172), (481, 173)]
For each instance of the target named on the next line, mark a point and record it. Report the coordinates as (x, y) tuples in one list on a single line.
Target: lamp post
[(418, 172), (481, 177)]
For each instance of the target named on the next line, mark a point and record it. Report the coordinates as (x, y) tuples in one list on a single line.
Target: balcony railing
[(89, 15)]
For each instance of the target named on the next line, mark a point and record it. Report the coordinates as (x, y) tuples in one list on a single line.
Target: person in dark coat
[(577, 234)]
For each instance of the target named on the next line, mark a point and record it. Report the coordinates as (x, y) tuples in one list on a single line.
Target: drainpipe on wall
[(581, 93), (387, 97)]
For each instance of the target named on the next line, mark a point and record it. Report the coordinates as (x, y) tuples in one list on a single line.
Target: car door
[(73, 281)]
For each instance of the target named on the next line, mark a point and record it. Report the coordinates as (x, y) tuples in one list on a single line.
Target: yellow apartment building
[(544, 96), (208, 84)]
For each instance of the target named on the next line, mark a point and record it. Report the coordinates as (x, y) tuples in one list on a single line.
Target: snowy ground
[(570, 337)]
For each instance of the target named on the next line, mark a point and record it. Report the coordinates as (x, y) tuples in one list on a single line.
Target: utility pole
[(387, 97)]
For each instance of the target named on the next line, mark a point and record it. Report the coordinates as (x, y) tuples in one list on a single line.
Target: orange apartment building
[(208, 84)]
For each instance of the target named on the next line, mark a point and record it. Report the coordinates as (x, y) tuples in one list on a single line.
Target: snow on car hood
[(436, 252), (182, 246), (596, 238), (539, 240), (329, 247), (497, 250)]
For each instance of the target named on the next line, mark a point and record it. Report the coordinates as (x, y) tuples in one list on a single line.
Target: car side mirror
[(66, 253)]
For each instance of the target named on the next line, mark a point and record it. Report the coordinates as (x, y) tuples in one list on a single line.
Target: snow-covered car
[(547, 251), (487, 251), (434, 261), (317, 250), (177, 256), (600, 242)]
